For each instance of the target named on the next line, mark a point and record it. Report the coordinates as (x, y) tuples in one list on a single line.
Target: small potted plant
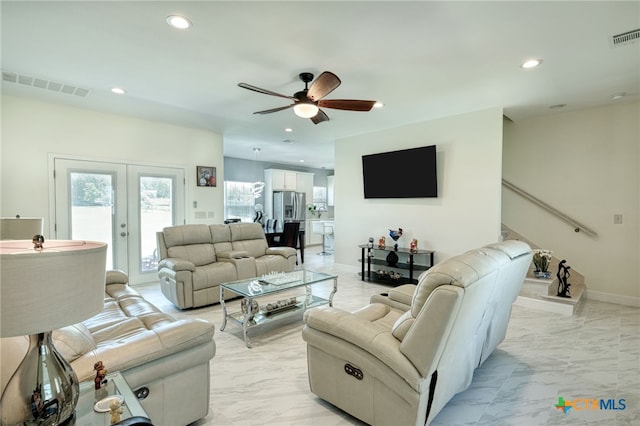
[(312, 209), (541, 260)]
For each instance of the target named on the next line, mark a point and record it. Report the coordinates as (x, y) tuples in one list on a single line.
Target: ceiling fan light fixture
[(179, 22), (305, 109), (531, 63)]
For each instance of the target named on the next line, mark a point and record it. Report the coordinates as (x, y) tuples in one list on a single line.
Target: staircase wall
[(585, 164)]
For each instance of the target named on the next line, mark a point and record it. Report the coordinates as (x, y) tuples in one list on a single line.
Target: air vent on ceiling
[(625, 38), (26, 80)]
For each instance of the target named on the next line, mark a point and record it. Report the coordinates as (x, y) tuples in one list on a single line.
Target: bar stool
[(327, 233)]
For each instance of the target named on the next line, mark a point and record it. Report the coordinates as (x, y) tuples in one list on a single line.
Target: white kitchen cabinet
[(281, 180), (286, 180)]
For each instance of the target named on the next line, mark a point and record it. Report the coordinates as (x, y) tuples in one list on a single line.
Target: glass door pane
[(156, 200), (92, 204), (156, 212)]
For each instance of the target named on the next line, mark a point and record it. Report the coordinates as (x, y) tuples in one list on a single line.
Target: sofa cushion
[(181, 235), (402, 325), (73, 341), (221, 238), (217, 273), (512, 248), (461, 271), (198, 254)]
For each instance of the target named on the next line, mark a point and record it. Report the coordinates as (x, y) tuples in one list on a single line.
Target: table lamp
[(20, 228), (45, 286)]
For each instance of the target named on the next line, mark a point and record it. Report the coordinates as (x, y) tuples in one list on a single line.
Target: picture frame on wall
[(206, 176)]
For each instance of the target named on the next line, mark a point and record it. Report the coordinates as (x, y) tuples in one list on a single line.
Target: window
[(320, 198), (239, 202)]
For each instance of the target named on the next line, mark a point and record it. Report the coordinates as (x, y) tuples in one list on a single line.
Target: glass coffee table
[(253, 314), (89, 396)]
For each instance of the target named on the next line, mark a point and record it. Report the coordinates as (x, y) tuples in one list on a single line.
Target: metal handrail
[(577, 226)]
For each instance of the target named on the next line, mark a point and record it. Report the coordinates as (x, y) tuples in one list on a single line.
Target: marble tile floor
[(595, 354)]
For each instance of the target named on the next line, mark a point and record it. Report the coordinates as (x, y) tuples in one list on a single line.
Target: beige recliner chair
[(387, 365)]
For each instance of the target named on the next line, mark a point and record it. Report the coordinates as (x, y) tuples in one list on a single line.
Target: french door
[(123, 205)]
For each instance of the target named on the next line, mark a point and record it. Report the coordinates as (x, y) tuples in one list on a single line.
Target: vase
[(392, 258), (542, 274)]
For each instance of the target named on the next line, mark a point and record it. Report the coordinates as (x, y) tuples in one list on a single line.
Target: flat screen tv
[(408, 173)]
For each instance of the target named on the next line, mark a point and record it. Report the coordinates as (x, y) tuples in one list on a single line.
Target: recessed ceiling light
[(302, 161), (378, 105), (618, 96), (179, 22), (531, 63), (118, 90), (288, 129)]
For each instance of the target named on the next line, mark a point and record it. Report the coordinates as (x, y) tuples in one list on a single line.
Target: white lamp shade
[(12, 228), (305, 109), (43, 290)]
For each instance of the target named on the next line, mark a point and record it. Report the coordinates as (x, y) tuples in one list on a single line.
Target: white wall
[(32, 129), (466, 213), (584, 164)]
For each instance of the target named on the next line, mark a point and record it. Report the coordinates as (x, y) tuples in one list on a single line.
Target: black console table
[(406, 262)]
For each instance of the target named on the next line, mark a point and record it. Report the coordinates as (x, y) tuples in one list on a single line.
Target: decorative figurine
[(370, 247), (413, 247), (395, 235), (259, 217), (116, 410), (38, 241), (101, 372), (563, 277), (382, 242)]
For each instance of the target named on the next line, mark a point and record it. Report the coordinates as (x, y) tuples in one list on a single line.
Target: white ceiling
[(422, 59)]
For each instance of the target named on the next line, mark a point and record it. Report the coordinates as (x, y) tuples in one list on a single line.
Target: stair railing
[(577, 226)]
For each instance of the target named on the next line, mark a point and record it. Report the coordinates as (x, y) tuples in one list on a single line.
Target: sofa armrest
[(282, 251), (177, 264), (116, 277), (363, 333), (234, 254), (398, 297)]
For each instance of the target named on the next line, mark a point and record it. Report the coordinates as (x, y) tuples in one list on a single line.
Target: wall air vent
[(625, 38), (39, 83)]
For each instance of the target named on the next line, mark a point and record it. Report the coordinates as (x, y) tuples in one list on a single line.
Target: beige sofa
[(151, 349), (397, 363), (195, 259)]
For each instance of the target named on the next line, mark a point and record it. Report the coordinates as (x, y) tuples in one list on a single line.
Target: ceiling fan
[(307, 102)]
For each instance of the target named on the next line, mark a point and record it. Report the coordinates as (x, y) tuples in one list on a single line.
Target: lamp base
[(43, 390)]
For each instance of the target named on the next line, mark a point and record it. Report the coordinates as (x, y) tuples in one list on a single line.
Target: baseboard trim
[(613, 298)]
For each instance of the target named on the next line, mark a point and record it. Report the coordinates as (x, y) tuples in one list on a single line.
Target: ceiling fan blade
[(324, 84), (320, 117), (269, 111), (347, 104), (264, 91)]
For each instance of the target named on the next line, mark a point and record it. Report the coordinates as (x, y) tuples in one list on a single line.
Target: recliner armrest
[(177, 264), (361, 332), (237, 254), (282, 251), (398, 297), (115, 276)]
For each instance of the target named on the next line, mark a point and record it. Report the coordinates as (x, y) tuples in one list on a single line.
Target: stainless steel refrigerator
[(289, 206)]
